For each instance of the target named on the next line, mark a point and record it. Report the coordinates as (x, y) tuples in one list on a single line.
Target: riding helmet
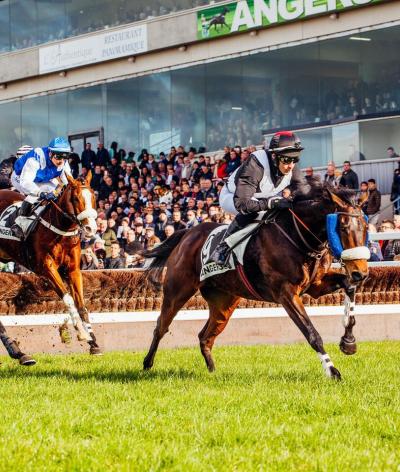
[(59, 145), (285, 143)]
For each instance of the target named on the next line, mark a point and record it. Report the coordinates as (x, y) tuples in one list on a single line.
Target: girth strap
[(247, 283)]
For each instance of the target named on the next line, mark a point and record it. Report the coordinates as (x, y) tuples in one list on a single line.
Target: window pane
[(58, 115), (188, 106), (377, 135), (23, 23), (155, 113), (224, 104), (85, 110), (35, 121), (4, 26), (123, 114), (346, 143), (10, 129), (52, 24)]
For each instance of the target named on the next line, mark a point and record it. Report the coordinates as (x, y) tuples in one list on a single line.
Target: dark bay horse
[(280, 264), (52, 250)]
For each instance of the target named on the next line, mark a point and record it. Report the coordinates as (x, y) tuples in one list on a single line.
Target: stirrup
[(17, 232)]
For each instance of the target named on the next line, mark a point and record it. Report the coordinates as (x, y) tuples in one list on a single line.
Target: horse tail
[(160, 255)]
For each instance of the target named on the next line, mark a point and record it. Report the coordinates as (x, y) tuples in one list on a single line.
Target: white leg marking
[(349, 306), (326, 363), (83, 334)]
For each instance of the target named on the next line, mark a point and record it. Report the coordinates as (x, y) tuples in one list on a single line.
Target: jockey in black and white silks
[(36, 174), (257, 186)]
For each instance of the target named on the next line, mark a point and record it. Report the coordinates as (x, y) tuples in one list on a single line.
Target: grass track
[(266, 408)]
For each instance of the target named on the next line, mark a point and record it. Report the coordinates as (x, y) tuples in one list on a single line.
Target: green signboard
[(246, 14)]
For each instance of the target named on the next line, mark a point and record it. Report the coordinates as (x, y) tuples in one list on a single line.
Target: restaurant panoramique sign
[(247, 14)]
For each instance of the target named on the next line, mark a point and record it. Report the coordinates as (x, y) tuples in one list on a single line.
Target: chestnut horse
[(283, 260), (52, 245)]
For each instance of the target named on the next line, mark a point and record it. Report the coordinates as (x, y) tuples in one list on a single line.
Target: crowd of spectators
[(87, 17), (142, 200)]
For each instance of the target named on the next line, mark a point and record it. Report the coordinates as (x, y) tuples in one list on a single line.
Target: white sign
[(96, 48)]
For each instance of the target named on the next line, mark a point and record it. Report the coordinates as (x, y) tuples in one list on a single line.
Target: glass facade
[(329, 90), (27, 23)]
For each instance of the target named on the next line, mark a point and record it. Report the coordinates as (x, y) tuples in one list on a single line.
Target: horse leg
[(292, 303), (331, 282), (348, 341), (175, 296), (13, 349), (50, 270), (76, 288), (221, 306)]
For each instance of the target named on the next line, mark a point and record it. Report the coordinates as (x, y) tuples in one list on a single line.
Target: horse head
[(78, 201), (351, 231)]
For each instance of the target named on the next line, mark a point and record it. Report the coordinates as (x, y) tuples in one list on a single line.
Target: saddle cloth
[(7, 219), (235, 256)]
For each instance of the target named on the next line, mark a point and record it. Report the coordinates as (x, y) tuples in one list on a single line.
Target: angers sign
[(246, 14)]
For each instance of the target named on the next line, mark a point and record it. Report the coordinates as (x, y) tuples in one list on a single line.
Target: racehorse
[(286, 258), (53, 248), (219, 19)]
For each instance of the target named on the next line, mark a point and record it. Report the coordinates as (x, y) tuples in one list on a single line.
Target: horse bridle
[(315, 253), (76, 219)]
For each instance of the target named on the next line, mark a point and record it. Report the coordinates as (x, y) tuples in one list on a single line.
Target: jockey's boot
[(221, 252), (24, 211)]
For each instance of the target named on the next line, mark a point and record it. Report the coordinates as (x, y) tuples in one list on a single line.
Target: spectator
[(169, 231), (114, 261), (191, 219), (330, 177), (391, 152), (74, 162), (374, 202), (363, 195), (107, 235), (89, 260), (374, 247), (396, 222), (234, 162), (6, 168), (220, 171), (395, 193), (387, 226), (177, 222), (150, 238), (88, 157), (349, 178), (310, 175), (131, 245), (102, 157)]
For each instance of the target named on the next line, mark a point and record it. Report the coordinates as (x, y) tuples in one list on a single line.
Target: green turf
[(266, 408)]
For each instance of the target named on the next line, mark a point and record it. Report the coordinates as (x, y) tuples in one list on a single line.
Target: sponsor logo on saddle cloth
[(236, 255), (7, 219)]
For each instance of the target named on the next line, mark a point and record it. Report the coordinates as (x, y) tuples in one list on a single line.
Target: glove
[(47, 196), (278, 203)]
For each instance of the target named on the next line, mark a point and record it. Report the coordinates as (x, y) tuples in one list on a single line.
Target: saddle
[(238, 241)]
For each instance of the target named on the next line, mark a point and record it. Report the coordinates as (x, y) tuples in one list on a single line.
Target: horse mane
[(319, 192)]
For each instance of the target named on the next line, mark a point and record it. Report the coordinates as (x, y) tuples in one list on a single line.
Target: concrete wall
[(19, 70)]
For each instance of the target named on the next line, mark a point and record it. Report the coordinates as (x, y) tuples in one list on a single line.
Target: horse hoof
[(334, 373), (95, 351), (27, 360), (147, 365), (348, 348)]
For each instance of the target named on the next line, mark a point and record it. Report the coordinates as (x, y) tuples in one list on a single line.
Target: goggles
[(288, 159), (59, 155)]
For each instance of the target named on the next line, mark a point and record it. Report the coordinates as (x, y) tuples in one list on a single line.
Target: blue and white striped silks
[(332, 228)]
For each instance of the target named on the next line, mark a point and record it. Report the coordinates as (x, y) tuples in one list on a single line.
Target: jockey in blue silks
[(37, 174)]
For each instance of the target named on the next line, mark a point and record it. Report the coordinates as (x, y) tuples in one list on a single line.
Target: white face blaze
[(89, 213)]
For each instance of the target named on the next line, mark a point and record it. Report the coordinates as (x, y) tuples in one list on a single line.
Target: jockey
[(23, 150), (257, 185), (37, 174)]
